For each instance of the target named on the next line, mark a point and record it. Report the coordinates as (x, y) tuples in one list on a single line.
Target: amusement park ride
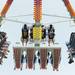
[(34, 46)]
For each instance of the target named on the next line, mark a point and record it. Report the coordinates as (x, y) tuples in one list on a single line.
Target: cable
[(42, 14), (33, 23), (58, 22), (57, 16), (17, 21), (19, 16)]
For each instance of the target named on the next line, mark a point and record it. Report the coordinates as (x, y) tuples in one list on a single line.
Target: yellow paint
[(37, 33)]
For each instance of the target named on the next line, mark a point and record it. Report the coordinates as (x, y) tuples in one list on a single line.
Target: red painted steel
[(43, 58), (30, 57)]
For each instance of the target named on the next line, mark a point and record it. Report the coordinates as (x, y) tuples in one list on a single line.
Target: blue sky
[(63, 30)]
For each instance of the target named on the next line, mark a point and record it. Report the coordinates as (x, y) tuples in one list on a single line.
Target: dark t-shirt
[(24, 33), (72, 41), (31, 33), (51, 33), (43, 33)]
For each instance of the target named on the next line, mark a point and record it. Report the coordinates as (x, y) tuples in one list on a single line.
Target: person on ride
[(24, 34), (51, 34)]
